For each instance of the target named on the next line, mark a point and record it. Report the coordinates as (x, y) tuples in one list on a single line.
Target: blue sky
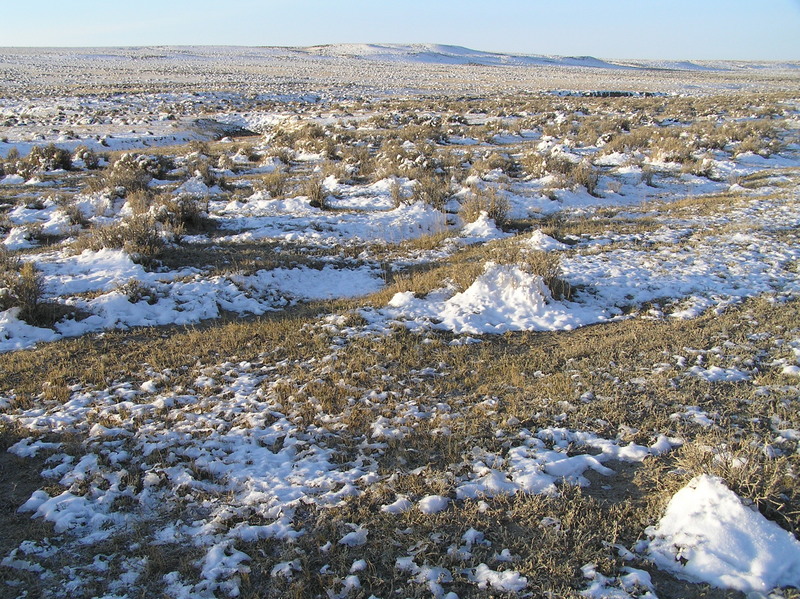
[(678, 29)]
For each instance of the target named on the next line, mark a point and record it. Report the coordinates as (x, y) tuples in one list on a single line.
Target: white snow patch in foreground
[(708, 535)]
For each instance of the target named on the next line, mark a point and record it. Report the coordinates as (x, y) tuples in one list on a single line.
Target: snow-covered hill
[(459, 55), (445, 54)]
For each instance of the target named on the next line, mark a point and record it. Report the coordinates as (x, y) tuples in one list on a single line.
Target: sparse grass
[(534, 375), (182, 214), (619, 380)]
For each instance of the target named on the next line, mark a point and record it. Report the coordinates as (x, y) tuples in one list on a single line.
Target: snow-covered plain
[(219, 458)]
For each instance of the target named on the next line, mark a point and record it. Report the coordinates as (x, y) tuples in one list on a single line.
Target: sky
[(655, 29)]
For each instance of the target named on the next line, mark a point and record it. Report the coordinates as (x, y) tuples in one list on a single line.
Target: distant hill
[(458, 55), (444, 54)]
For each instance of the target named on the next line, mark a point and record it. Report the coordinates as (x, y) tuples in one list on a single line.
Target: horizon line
[(395, 44)]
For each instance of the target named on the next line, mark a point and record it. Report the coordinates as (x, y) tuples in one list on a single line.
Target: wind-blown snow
[(708, 535)]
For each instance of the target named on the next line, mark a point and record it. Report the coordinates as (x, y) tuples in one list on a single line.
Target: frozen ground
[(350, 435)]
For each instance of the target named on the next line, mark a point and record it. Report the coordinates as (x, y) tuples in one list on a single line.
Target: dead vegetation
[(620, 380), (537, 378)]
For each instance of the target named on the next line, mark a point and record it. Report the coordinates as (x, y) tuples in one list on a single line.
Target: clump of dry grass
[(89, 158), (314, 190), (489, 201), (274, 183), (432, 189), (48, 158), (546, 265), (132, 172), (358, 163), (534, 164), (182, 214), (587, 176), (496, 161), (21, 287)]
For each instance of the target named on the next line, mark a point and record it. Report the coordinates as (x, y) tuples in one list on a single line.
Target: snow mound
[(193, 187), (433, 504), (504, 298), (708, 535), (482, 229), (545, 243)]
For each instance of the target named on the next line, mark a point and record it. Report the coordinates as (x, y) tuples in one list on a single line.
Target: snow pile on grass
[(545, 243), (508, 582), (482, 229), (708, 535), (433, 504), (504, 298)]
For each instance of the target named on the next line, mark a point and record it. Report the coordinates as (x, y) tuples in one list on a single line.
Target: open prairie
[(397, 321)]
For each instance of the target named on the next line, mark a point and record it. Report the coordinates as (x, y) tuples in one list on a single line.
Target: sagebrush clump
[(21, 287), (133, 172), (139, 235), (489, 201)]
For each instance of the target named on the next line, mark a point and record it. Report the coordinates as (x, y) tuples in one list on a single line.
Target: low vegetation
[(160, 429)]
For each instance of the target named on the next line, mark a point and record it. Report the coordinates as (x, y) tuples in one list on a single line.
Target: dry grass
[(601, 379), (538, 379), (275, 183), (489, 201), (21, 287)]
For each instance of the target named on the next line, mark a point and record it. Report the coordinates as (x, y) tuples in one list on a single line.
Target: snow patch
[(708, 535)]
